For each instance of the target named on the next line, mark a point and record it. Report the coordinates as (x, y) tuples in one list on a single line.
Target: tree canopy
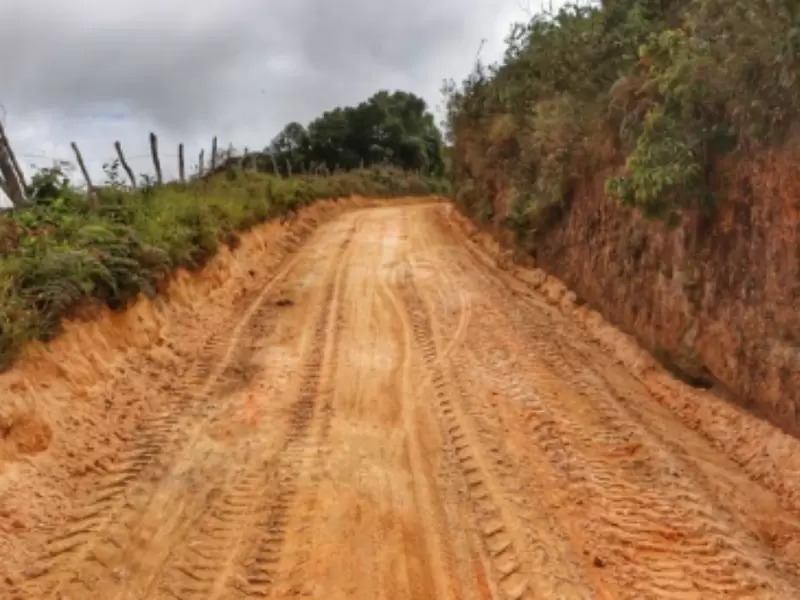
[(389, 128)]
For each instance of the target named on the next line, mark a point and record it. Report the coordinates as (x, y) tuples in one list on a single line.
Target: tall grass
[(66, 251)]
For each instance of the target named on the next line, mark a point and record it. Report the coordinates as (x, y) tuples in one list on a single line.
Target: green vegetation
[(66, 251), (650, 92), (388, 129), (69, 249)]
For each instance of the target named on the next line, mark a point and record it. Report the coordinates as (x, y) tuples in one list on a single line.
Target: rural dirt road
[(385, 415)]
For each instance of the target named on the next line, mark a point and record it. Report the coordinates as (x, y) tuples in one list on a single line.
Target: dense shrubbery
[(66, 250), (667, 85)]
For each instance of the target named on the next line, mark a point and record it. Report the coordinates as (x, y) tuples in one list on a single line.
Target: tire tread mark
[(587, 460), (489, 518), (159, 436), (258, 563)]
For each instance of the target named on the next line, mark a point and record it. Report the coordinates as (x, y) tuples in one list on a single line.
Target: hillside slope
[(646, 154)]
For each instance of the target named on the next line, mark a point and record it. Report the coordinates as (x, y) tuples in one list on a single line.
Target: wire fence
[(141, 164), (89, 173)]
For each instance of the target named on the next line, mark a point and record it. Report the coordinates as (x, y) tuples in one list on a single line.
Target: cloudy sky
[(95, 71)]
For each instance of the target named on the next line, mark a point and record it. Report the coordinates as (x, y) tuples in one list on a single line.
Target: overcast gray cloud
[(95, 71)]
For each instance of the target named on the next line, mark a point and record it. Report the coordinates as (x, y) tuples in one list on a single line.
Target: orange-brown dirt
[(361, 404), (717, 298)]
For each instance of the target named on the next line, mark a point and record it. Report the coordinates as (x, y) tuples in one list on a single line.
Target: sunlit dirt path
[(385, 418)]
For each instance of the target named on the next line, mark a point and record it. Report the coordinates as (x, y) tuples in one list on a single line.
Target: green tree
[(388, 128), (291, 146)]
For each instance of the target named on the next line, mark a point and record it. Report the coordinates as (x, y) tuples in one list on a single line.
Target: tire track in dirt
[(260, 460), (194, 569), (494, 522), (83, 564), (633, 488), (159, 434), (359, 477), (273, 471), (440, 543), (206, 518), (258, 553), (294, 571), (460, 564), (556, 564), (407, 424), (619, 468), (385, 485)]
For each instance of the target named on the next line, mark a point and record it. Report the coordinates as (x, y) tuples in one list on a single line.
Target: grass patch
[(64, 252)]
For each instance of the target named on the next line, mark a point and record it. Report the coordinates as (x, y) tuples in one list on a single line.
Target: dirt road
[(388, 417)]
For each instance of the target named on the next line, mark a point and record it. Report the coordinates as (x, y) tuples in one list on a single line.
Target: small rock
[(599, 562)]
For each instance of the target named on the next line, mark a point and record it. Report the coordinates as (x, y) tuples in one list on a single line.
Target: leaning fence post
[(90, 187), (12, 157), (9, 181), (181, 172), (125, 164), (82, 165), (10, 171), (154, 153)]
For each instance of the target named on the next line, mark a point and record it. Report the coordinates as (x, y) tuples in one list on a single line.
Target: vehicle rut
[(387, 415)]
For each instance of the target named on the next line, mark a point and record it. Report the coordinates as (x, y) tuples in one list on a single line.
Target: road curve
[(386, 419)]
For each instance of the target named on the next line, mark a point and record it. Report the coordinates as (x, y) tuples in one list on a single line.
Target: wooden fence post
[(181, 171), (125, 164), (275, 169), (82, 165), (201, 163), (154, 153), (14, 183), (90, 187), (213, 154), (13, 158), (288, 168), (9, 181)]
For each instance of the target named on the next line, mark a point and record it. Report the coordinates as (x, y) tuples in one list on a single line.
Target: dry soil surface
[(376, 412)]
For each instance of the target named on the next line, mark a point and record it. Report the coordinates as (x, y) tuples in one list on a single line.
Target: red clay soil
[(361, 404)]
